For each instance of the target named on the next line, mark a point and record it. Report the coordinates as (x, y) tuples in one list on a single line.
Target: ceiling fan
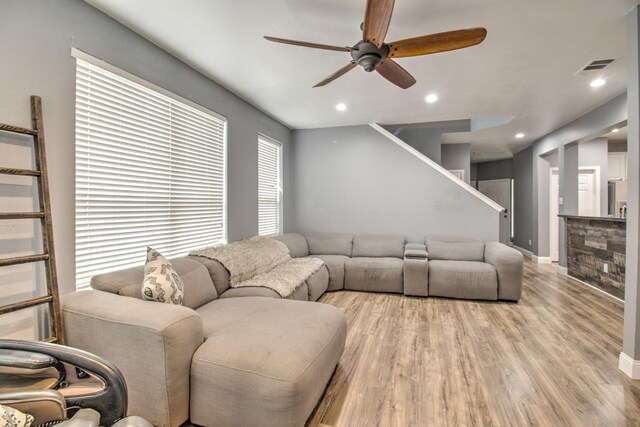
[(372, 53)]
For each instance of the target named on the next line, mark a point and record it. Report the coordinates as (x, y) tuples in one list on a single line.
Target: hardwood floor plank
[(549, 360)]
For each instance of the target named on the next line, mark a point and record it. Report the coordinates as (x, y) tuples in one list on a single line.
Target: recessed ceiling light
[(520, 135), (341, 107), (616, 130), (431, 98), (598, 82)]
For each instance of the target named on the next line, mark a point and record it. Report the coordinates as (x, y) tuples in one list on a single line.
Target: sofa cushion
[(218, 273), (329, 243), (373, 274), (296, 243), (267, 363), (161, 282), (299, 294), (335, 268), (455, 248), (198, 287), (318, 283), (463, 279), (378, 245)]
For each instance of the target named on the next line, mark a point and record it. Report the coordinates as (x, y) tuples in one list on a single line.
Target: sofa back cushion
[(296, 243), (217, 272), (198, 287), (329, 243), (455, 248), (378, 245)]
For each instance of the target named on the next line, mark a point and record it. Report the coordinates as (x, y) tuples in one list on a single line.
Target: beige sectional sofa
[(231, 357)]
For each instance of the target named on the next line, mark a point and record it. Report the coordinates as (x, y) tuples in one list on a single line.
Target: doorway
[(499, 190), (588, 202)]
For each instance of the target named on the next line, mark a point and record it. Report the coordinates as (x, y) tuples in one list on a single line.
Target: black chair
[(54, 383)]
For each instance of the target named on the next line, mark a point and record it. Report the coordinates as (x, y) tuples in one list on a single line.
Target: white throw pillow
[(161, 282), (10, 417)]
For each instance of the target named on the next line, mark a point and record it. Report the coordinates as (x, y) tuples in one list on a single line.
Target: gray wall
[(498, 169), (617, 147), (353, 179), (523, 199), (457, 156), (596, 153), (35, 42), (427, 137)]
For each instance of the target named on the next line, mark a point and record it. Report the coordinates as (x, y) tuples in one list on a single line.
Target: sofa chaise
[(231, 357)]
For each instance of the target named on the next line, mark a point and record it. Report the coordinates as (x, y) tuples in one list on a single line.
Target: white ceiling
[(525, 68)]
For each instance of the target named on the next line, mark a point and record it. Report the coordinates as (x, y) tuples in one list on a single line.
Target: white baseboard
[(582, 282), (629, 366), (525, 252), (542, 259), (563, 270)]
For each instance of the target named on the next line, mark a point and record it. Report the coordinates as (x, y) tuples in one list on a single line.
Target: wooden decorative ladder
[(48, 257)]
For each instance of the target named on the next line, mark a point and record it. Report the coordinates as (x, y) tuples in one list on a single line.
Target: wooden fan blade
[(376, 21), (344, 70), (397, 75), (308, 44), (435, 43)]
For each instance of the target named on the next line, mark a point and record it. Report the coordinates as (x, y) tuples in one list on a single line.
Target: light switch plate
[(560, 201)]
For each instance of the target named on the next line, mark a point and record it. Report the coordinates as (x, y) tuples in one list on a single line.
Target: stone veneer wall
[(590, 244)]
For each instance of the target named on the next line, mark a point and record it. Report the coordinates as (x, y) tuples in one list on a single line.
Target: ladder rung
[(17, 129), (51, 340), (25, 172), (21, 215), (25, 304), (23, 259)]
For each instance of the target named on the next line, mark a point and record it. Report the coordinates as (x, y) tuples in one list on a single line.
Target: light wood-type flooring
[(549, 360)]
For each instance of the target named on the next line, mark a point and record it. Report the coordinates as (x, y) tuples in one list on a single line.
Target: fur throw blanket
[(264, 262)]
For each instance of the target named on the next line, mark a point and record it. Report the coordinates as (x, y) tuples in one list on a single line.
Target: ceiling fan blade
[(344, 70), (308, 44), (434, 43), (376, 21), (397, 75)]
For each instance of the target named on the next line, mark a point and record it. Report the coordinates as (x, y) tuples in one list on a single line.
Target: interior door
[(499, 190), (588, 196), (554, 222)]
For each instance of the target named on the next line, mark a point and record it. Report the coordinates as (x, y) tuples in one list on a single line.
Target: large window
[(269, 187), (150, 171)]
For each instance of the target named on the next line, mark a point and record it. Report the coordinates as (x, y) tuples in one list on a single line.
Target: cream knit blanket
[(264, 262)]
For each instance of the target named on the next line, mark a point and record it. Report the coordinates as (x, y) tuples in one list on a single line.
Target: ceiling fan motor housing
[(368, 55)]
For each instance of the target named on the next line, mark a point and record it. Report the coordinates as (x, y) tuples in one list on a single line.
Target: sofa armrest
[(415, 251), (151, 343), (509, 264)]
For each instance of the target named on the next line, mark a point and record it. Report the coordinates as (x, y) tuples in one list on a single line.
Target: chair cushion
[(329, 243), (266, 363), (373, 274), (318, 283), (296, 243), (218, 273), (455, 248), (463, 279), (335, 268), (198, 287), (378, 245), (301, 293)]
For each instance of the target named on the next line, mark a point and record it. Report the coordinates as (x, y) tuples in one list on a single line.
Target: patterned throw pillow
[(161, 282), (10, 417)]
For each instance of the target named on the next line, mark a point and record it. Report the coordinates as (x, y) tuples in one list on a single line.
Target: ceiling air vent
[(597, 65)]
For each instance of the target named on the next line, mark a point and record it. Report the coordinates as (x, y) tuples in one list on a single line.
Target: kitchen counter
[(596, 249), (595, 218)]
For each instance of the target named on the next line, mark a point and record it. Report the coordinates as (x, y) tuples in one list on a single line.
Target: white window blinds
[(269, 187), (150, 171)]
